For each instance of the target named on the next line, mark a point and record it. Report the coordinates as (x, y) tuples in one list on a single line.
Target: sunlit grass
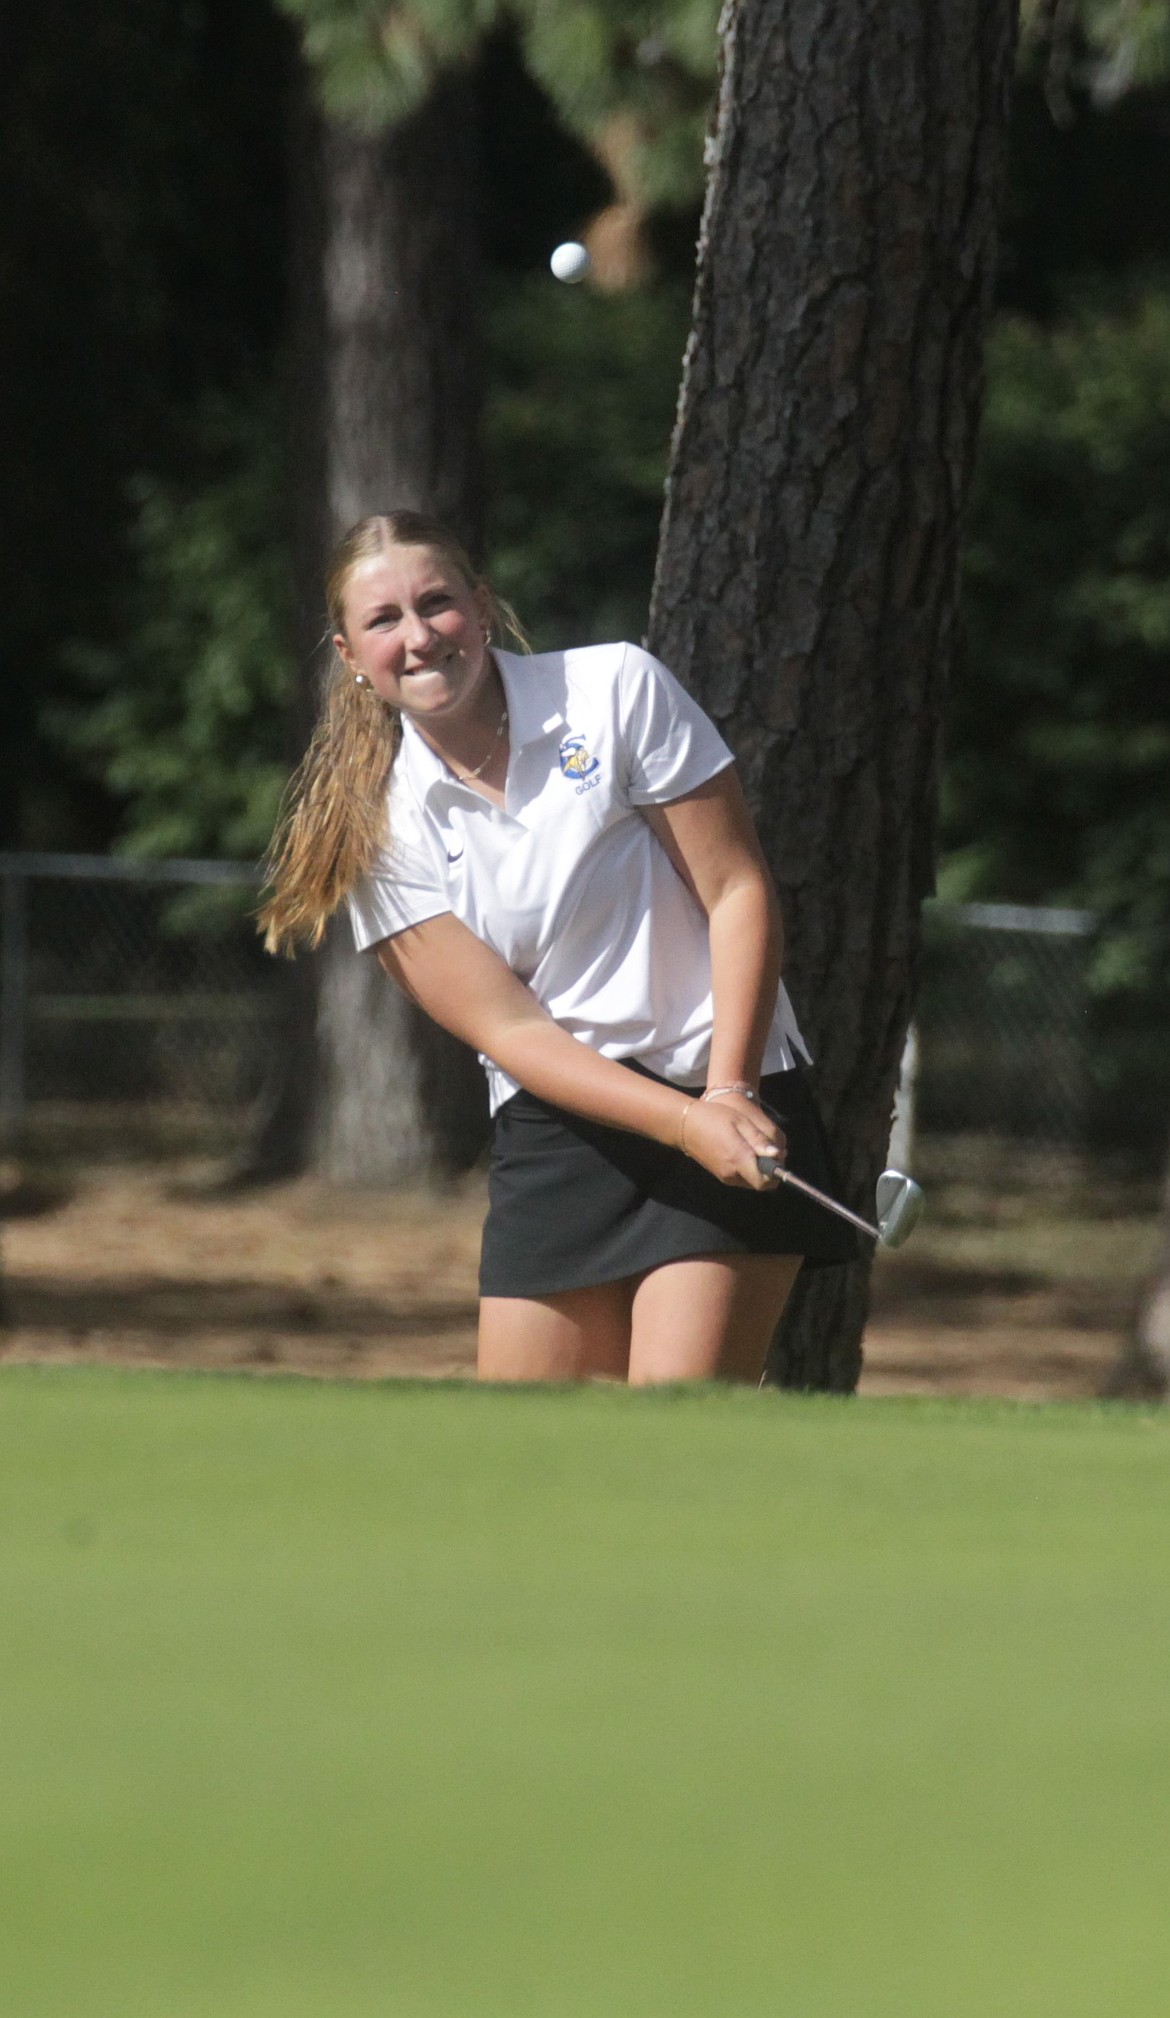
[(330, 1701)]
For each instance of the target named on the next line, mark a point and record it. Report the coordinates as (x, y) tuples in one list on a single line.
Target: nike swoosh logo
[(455, 858)]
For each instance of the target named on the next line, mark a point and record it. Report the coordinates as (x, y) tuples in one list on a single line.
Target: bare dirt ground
[(138, 1267), (149, 1267)]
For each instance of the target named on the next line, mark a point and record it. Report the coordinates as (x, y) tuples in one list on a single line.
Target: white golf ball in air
[(570, 261)]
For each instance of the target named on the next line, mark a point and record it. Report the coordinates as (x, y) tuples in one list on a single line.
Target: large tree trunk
[(401, 275), (401, 428), (808, 568), (386, 415)]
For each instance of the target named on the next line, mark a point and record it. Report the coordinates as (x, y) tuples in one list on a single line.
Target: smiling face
[(417, 629)]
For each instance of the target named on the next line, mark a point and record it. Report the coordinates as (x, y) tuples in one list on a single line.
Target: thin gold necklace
[(465, 777)]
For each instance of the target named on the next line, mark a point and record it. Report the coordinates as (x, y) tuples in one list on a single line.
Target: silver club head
[(899, 1207), (899, 1201)]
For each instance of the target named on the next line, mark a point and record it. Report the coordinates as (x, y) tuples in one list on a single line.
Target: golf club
[(899, 1202)]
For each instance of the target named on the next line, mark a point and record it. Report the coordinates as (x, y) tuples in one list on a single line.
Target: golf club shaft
[(831, 1205)]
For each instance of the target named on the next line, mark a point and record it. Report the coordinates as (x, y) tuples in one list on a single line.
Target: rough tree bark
[(386, 414), (397, 1098), (807, 575)]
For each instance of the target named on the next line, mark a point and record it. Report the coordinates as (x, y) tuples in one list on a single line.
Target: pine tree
[(385, 411), (387, 406), (808, 570)]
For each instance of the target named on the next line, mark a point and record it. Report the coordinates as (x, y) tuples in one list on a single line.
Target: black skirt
[(574, 1203)]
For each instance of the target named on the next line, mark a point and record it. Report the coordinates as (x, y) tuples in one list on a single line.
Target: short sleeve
[(403, 888), (671, 746)]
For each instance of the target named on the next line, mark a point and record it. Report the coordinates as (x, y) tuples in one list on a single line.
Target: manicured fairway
[(333, 1701)]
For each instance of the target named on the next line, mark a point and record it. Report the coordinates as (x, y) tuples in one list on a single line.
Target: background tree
[(388, 404), (1060, 728), (808, 574), (1064, 710), (385, 412)]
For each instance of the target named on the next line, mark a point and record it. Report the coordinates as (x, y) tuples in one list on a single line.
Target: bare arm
[(467, 988), (712, 843)]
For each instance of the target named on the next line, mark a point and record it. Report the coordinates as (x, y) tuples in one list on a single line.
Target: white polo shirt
[(566, 881)]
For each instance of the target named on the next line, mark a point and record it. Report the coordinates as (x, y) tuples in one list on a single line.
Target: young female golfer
[(552, 855)]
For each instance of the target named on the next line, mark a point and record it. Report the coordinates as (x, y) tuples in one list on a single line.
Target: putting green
[(331, 1701)]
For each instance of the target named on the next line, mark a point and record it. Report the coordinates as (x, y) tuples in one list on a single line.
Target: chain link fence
[(1004, 1023), (138, 1011), (1019, 1048), (139, 1014)]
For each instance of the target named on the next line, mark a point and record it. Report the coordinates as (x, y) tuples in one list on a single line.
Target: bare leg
[(708, 1318), (582, 1334)]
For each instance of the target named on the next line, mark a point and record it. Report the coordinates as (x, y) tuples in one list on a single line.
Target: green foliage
[(652, 64), (651, 61), (578, 425), (188, 721), (1060, 729), (376, 61), (1128, 41)]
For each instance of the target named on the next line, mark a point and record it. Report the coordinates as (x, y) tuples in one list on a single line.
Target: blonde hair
[(334, 817)]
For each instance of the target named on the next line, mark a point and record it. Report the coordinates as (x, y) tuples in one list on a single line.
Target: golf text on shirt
[(566, 881)]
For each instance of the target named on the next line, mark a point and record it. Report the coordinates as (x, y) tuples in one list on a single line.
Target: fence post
[(12, 1013), (901, 1149)]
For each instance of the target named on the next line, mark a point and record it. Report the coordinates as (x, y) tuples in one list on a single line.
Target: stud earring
[(360, 680)]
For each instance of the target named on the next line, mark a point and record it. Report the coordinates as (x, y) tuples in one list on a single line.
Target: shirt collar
[(534, 688)]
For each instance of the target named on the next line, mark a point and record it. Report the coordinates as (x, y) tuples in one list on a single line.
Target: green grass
[(331, 1701)]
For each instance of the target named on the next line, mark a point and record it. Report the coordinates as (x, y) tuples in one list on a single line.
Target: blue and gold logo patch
[(576, 761)]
